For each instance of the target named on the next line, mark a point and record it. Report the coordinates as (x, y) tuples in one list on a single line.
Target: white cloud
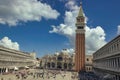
[(71, 51), (71, 5), (6, 42), (95, 37), (118, 32), (14, 11)]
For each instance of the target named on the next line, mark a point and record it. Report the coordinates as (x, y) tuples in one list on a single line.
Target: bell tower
[(80, 41)]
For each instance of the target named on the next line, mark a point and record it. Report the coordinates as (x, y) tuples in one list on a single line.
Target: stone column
[(50, 65), (109, 63), (0, 70), (112, 63), (62, 65), (56, 65), (67, 67), (118, 63), (117, 77)]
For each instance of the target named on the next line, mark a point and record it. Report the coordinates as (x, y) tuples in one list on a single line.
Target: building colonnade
[(12, 59), (112, 64), (60, 65), (107, 58)]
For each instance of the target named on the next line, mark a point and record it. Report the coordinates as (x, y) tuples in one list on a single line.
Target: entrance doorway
[(59, 65)]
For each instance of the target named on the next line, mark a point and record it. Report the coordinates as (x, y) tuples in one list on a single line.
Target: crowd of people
[(88, 76), (36, 74)]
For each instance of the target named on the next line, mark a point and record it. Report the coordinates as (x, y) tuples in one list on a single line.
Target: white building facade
[(12, 59), (89, 63), (106, 60)]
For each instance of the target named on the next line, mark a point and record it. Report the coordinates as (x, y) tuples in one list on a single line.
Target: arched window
[(87, 59), (65, 65), (70, 66), (48, 65), (59, 65), (80, 27), (53, 65), (59, 58)]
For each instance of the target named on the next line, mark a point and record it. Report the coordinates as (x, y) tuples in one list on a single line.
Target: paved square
[(38, 74)]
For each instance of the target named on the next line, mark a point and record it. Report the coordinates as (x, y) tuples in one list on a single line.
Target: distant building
[(13, 60), (89, 63), (106, 60), (33, 54), (60, 60), (63, 61)]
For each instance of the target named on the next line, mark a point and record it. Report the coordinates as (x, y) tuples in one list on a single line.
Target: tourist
[(2, 79)]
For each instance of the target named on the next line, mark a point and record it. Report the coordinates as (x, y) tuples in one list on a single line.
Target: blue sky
[(46, 26)]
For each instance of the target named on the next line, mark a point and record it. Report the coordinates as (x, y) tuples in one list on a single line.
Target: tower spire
[(81, 13)]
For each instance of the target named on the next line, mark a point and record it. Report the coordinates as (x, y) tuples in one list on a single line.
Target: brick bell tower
[(80, 41)]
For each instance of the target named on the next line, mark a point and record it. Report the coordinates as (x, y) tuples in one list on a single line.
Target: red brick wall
[(80, 52)]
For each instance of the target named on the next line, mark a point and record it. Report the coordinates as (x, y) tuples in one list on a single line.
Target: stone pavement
[(48, 75)]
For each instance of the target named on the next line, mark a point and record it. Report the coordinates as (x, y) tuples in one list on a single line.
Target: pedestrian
[(2, 79), (34, 76)]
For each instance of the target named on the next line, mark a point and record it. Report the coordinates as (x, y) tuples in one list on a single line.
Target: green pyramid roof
[(81, 13)]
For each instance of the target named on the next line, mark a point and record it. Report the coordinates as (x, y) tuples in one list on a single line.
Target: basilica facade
[(60, 60), (63, 61)]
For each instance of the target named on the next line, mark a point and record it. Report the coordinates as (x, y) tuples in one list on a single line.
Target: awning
[(26, 67), (15, 68)]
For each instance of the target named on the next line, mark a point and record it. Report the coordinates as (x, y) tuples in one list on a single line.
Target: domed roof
[(57, 53), (64, 52)]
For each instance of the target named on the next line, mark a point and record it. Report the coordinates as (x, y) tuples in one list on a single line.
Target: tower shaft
[(80, 52), (80, 42)]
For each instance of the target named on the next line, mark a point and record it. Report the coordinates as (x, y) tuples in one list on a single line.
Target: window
[(117, 46), (80, 27), (60, 58), (87, 59), (80, 19)]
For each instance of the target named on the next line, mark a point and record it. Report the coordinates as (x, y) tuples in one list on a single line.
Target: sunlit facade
[(63, 61), (106, 60), (13, 60)]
